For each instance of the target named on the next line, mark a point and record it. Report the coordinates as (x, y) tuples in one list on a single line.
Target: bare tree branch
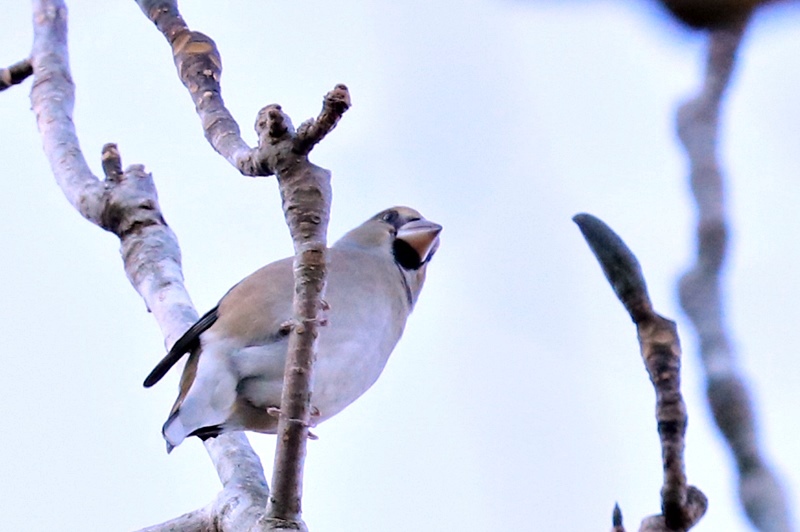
[(126, 203), (53, 99), (682, 505), (199, 67), (698, 122), (306, 196), (15, 74), (312, 131)]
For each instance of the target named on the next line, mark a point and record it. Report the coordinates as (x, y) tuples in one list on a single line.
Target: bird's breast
[(365, 322)]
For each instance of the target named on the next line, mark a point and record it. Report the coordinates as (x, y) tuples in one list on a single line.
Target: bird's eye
[(389, 217)]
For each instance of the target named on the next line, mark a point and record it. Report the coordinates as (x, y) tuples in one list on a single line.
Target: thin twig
[(15, 74), (312, 131), (682, 505), (760, 491)]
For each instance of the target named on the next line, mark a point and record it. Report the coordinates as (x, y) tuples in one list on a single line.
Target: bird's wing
[(184, 344)]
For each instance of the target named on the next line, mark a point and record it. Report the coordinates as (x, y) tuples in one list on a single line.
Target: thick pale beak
[(422, 236)]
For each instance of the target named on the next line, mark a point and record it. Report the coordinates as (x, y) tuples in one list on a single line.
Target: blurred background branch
[(701, 289)]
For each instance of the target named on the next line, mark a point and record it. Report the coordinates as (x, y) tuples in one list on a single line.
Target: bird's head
[(405, 234)]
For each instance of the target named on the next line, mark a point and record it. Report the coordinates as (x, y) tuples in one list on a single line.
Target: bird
[(233, 377)]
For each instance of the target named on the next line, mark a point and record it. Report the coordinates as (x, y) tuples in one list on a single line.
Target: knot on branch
[(130, 200), (112, 163), (686, 513), (273, 155), (273, 125)]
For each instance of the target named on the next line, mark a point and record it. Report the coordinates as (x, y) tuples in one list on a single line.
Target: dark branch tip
[(616, 516), (619, 265)]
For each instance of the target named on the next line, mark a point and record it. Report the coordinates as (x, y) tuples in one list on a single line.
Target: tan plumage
[(238, 350)]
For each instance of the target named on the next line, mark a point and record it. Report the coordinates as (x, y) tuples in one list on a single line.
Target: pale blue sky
[(516, 399)]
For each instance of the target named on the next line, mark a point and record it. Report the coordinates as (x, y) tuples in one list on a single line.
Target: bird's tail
[(173, 430)]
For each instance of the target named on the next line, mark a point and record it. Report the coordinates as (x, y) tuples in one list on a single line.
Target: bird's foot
[(275, 412)]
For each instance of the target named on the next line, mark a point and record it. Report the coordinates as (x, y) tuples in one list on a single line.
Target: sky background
[(516, 399)]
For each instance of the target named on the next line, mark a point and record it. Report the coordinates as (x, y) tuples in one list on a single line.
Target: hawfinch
[(237, 350)]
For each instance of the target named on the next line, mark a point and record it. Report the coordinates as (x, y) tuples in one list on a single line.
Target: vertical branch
[(700, 292), (682, 505), (306, 195)]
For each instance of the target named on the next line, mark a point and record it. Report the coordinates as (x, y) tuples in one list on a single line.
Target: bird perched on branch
[(237, 351)]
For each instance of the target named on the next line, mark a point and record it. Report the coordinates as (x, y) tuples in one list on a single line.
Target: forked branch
[(199, 66), (306, 195), (682, 505), (126, 203)]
